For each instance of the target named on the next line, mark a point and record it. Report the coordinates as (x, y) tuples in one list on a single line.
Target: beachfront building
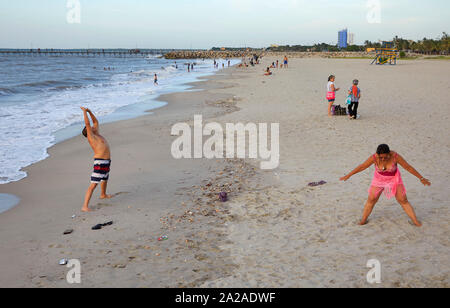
[(342, 38), (351, 39)]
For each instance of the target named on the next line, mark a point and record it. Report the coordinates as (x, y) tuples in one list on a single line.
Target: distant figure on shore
[(278, 62), (387, 178), (286, 61), (229, 63), (331, 93), (102, 158), (355, 95), (189, 67), (156, 80), (268, 72)]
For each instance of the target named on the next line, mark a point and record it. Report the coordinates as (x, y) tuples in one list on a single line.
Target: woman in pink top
[(387, 179), (331, 93)]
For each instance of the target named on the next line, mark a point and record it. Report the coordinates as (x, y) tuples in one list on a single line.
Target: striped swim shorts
[(101, 170)]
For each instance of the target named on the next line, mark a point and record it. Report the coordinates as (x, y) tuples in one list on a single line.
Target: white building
[(351, 39)]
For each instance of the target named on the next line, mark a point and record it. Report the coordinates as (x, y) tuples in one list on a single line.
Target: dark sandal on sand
[(99, 226)]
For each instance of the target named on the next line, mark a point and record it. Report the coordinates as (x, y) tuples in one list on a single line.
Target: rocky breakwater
[(208, 54)]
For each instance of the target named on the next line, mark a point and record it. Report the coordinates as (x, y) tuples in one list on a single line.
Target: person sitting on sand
[(268, 72), (331, 93), (102, 158), (387, 178)]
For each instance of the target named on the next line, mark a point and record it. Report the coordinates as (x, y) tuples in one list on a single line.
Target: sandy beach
[(275, 231)]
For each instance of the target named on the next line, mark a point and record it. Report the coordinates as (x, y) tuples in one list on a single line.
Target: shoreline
[(23, 244), (127, 112)]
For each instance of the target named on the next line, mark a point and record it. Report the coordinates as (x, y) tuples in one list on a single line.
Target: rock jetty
[(210, 54)]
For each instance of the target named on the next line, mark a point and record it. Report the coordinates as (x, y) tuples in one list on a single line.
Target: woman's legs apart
[(403, 201)]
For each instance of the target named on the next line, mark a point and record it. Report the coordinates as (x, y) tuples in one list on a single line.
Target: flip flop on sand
[(99, 226), (314, 184)]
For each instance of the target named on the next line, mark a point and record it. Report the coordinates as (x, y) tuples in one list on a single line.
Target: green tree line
[(424, 46)]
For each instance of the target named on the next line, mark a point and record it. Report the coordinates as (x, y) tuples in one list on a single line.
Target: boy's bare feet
[(363, 223), (106, 197), (416, 224), (86, 210)]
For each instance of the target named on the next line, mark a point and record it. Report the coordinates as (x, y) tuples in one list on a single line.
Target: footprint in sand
[(101, 205), (120, 193)]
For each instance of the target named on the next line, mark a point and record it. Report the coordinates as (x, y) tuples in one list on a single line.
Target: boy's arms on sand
[(359, 169), (411, 170)]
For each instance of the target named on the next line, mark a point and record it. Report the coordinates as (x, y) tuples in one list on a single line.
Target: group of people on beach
[(276, 65), (387, 178), (253, 60), (354, 95)]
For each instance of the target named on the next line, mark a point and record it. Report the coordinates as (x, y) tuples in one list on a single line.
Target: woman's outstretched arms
[(411, 170), (359, 169)]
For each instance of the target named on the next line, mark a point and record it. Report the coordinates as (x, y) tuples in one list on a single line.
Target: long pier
[(82, 53)]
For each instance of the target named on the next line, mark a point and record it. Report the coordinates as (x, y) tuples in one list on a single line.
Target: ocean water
[(40, 98)]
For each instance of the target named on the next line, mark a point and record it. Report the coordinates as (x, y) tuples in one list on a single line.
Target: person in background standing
[(355, 94), (331, 93)]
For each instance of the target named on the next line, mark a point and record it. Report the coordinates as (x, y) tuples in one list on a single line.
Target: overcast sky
[(208, 23)]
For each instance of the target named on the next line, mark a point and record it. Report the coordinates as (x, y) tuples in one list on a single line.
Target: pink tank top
[(388, 180), (388, 172)]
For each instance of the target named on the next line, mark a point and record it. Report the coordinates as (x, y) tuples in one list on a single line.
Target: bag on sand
[(338, 110), (349, 100)]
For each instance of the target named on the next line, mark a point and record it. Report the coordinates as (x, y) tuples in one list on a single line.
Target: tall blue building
[(342, 39)]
